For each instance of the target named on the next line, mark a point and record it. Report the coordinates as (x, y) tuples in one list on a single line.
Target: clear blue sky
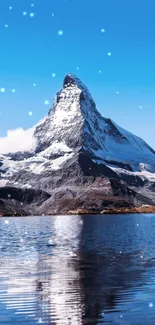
[(32, 50)]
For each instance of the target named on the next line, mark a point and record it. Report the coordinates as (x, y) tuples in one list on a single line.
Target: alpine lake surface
[(94, 269)]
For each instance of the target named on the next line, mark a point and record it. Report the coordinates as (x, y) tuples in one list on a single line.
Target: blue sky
[(32, 50)]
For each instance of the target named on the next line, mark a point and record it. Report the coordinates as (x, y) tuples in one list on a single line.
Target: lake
[(77, 270)]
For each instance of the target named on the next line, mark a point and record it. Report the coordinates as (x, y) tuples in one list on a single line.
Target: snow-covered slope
[(75, 121), (73, 124), (74, 144)]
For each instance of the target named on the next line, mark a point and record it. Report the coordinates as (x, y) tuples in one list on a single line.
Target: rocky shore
[(142, 209)]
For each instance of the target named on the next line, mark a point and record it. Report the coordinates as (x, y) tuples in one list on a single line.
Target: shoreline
[(143, 209)]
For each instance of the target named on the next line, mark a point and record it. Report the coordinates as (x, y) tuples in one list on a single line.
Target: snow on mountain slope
[(136, 141), (74, 124), (75, 120), (132, 150), (64, 121), (37, 164)]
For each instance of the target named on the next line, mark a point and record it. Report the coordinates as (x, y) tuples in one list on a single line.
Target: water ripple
[(77, 270)]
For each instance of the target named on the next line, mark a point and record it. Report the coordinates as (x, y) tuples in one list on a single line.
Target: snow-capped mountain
[(80, 158), (74, 123)]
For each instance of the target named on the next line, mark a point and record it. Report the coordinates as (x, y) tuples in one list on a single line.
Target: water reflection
[(60, 292), (77, 270)]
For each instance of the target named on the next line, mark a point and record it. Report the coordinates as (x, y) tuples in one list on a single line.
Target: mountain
[(81, 161)]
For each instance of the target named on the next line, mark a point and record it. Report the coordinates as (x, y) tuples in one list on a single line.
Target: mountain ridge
[(76, 151)]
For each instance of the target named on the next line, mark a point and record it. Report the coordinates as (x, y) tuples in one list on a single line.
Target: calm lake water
[(77, 270)]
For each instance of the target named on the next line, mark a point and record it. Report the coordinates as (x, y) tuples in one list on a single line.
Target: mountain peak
[(70, 80), (75, 121), (79, 157)]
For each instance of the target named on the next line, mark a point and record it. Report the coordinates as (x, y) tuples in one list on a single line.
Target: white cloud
[(19, 140)]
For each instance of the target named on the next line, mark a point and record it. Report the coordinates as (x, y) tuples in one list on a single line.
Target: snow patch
[(55, 148), (56, 163)]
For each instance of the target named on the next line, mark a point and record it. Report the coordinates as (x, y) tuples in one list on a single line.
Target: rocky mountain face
[(81, 161)]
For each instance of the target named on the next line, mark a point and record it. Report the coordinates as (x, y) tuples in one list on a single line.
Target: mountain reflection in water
[(77, 270)]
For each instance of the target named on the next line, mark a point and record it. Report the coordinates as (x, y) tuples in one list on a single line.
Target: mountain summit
[(72, 107), (75, 121), (81, 160)]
